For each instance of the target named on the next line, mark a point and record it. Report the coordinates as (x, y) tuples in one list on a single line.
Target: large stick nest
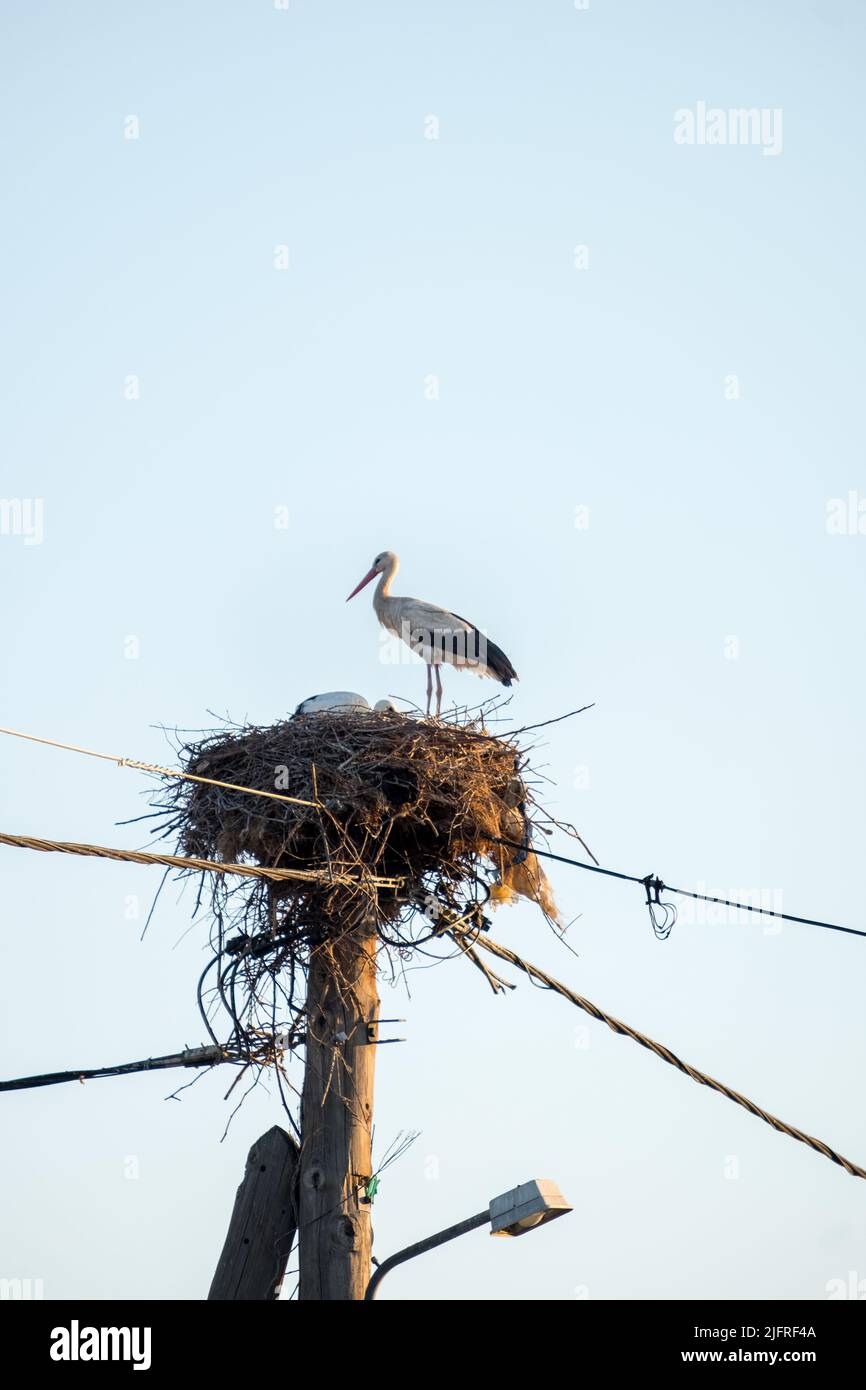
[(421, 802), (410, 827)]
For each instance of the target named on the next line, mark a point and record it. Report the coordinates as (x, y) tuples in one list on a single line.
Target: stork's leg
[(438, 692), (429, 687)]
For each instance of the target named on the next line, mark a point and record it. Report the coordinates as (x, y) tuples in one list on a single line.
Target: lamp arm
[(422, 1246)]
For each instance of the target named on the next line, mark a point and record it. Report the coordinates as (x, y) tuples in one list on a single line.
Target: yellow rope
[(137, 856), (665, 1054), (160, 771)]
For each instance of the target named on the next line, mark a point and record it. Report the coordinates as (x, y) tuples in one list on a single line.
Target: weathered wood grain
[(263, 1222), (336, 1238)]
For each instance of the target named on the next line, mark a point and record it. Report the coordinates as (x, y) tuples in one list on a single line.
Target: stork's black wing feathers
[(493, 657)]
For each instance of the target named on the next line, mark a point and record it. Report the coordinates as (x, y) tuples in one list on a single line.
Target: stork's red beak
[(365, 580)]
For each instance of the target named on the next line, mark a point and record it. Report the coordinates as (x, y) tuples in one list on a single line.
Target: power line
[(157, 770), (549, 982), (657, 886), (653, 885), (190, 1057), (138, 856)]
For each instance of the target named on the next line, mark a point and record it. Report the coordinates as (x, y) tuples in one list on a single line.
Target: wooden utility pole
[(262, 1227), (335, 1232)]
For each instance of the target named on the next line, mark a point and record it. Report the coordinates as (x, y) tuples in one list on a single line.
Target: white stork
[(433, 633), (342, 702)]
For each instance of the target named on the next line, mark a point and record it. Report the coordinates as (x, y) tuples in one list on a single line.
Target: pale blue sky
[(558, 388)]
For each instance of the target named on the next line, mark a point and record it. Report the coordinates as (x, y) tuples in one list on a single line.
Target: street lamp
[(524, 1208)]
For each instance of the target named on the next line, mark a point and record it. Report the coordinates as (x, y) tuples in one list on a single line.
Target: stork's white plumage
[(433, 633), (332, 700), (341, 700)]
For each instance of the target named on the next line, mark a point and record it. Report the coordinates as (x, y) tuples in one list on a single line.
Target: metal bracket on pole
[(373, 1039)]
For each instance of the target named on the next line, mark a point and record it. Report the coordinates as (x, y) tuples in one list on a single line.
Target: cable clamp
[(662, 916)]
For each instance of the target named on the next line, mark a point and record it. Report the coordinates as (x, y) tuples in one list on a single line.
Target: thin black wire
[(685, 892), (174, 1059)]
